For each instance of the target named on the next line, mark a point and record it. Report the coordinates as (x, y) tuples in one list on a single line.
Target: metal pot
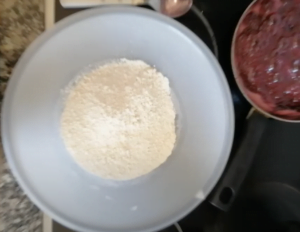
[(255, 99)]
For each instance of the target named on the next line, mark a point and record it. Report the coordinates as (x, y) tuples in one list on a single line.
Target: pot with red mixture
[(266, 57)]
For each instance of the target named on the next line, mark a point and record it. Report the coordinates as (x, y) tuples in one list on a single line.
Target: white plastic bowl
[(33, 104)]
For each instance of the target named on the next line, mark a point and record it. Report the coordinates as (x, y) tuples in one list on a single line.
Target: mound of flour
[(119, 120)]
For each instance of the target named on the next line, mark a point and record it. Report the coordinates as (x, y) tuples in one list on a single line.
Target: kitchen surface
[(21, 21), (269, 198)]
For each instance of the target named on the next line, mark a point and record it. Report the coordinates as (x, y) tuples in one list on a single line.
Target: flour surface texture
[(118, 120)]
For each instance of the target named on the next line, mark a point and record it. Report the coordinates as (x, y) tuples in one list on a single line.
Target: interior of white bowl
[(33, 104)]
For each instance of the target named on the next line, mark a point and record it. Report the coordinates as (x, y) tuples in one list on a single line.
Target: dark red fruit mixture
[(267, 56)]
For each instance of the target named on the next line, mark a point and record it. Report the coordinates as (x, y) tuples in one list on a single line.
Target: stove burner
[(261, 207), (286, 227)]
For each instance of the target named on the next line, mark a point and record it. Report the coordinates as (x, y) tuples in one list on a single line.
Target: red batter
[(267, 56)]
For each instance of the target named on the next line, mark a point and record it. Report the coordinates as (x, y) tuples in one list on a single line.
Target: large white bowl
[(33, 104)]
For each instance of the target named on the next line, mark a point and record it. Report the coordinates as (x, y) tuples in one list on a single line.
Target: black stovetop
[(274, 176)]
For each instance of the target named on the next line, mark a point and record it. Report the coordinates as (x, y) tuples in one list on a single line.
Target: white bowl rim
[(84, 15)]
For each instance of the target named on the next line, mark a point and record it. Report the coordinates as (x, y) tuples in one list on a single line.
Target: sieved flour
[(118, 120)]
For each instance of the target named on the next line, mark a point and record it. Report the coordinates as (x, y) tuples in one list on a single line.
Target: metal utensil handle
[(233, 177), (91, 3)]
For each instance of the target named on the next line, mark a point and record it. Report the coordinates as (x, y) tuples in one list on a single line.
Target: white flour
[(119, 120)]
